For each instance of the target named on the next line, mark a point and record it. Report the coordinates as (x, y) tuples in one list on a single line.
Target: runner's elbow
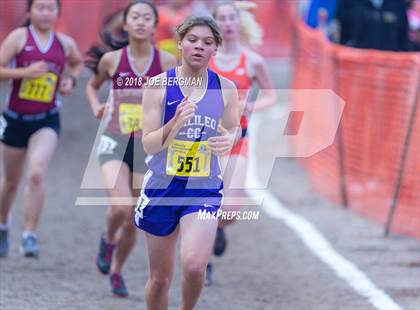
[(149, 146)]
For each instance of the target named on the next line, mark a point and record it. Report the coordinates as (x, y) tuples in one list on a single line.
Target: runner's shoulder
[(253, 56), (229, 91), (155, 82), (66, 39), (18, 33), (254, 59), (110, 60), (167, 60), (225, 83), (17, 38), (154, 89), (112, 56)]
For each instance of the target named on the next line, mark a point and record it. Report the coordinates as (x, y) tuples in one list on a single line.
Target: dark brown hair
[(193, 21), (31, 2)]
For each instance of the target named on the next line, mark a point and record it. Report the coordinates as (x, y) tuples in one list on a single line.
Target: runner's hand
[(66, 86), (221, 145), (184, 111), (35, 70), (99, 110)]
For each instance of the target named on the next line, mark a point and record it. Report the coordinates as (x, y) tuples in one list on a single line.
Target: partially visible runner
[(120, 151), (236, 61), (171, 15), (33, 58), (184, 179)]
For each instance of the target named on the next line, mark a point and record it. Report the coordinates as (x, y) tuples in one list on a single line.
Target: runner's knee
[(193, 267), (129, 227), (122, 212), (10, 184), (35, 176), (160, 282)]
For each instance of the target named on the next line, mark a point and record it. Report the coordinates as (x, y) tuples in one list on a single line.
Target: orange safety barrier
[(373, 165), (276, 20), (312, 70)]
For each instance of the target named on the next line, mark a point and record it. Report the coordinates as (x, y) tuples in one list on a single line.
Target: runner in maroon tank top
[(33, 59), (37, 96), (120, 150)]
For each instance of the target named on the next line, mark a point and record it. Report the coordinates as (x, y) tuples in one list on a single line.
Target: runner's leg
[(161, 251), (196, 246), (41, 147), (117, 180), (127, 233), (13, 164)]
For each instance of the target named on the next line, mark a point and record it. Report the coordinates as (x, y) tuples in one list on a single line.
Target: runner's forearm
[(12, 73), (236, 132), (75, 70), (92, 96), (158, 140)]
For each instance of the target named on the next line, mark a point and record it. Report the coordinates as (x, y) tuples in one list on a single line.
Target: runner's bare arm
[(267, 96), (105, 68), (74, 58), (167, 60), (230, 129), (10, 47), (155, 136), (74, 64)]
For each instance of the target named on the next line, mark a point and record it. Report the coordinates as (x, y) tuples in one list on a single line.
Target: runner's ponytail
[(95, 53), (250, 31)]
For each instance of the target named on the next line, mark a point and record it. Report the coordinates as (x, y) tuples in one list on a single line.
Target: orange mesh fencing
[(276, 20), (380, 91), (312, 70)]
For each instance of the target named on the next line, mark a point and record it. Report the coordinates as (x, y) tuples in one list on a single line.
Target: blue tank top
[(188, 156)]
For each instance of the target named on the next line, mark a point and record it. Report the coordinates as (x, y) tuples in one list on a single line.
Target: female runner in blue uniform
[(180, 135)]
